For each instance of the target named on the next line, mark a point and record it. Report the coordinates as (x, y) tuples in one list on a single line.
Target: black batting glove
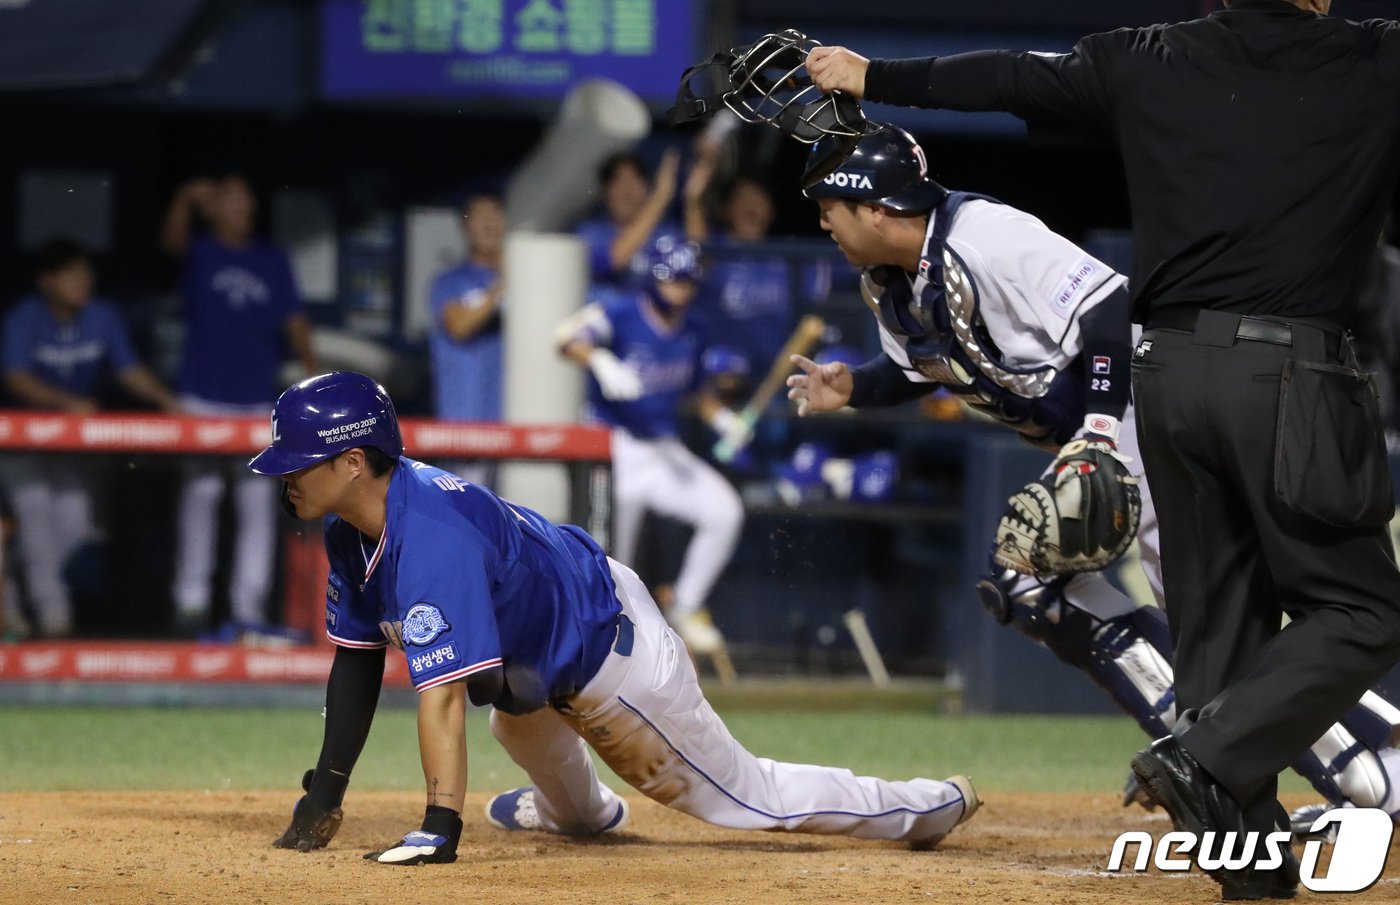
[(313, 826)]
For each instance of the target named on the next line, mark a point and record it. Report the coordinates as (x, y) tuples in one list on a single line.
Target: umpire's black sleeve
[(881, 382), (1061, 91), (352, 694)]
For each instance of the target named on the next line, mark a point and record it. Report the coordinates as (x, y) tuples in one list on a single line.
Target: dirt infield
[(113, 849)]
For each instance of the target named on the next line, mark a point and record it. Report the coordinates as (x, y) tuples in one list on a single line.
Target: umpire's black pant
[(1236, 556)]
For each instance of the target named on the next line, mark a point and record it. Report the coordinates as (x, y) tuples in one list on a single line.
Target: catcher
[(983, 299)]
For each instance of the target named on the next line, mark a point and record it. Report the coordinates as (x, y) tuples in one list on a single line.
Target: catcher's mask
[(767, 82)]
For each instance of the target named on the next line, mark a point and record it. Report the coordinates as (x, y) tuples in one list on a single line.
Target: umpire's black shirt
[(1261, 145)]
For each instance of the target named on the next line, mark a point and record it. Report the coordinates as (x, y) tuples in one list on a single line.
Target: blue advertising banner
[(502, 48)]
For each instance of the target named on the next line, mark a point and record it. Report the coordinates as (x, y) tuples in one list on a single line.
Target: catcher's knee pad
[(1129, 656), (1355, 761)]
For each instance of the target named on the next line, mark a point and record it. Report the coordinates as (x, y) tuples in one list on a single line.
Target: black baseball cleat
[(1279, 883), (1195, 801)]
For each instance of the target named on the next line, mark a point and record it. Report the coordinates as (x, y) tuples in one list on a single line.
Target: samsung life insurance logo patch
[(851, 179), (1358, 855), (421, 663)]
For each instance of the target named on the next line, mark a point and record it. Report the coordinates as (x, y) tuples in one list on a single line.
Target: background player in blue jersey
[(635, 215), (465, 340), (240, 304), (1023, 325), (60, 345), (749, 289), (643, 353), (491, 603)]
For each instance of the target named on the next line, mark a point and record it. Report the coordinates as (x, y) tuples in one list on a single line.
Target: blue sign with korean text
[(502, 48)]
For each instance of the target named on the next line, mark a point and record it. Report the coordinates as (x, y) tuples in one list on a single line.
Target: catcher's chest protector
[(948, 341)]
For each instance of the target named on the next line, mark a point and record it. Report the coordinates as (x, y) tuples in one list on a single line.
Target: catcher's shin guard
[(1128, 655), (1353, 761)]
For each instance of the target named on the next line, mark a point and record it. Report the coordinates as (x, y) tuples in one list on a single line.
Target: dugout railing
[(156, 441)]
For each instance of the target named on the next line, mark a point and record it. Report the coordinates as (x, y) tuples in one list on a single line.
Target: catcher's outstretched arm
[(881, 382)]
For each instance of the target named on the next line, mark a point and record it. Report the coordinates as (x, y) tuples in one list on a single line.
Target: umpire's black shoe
[(1279, 883), (1196, 802)]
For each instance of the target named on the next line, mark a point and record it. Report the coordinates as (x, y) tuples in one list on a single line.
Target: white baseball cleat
[(970, 805), (515, 810), (698, 632)]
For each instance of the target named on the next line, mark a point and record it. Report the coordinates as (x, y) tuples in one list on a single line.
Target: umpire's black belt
[(1211, 325)]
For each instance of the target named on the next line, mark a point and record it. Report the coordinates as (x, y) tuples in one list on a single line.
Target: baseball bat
[(865, 644), (807, 335)]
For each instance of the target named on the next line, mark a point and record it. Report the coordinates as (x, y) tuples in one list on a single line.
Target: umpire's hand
[(837, 69)]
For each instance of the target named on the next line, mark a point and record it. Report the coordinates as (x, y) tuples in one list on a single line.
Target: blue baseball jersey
[(750, 294), (467, 373), (72, 356), (598, 236), (236, 303), (666, 358), (467, 581)]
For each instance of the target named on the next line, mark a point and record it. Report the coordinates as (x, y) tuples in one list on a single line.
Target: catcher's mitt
[(1080, 517)]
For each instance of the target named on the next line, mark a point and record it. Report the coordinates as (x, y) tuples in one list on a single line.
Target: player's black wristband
[(445, 822), (882, 382), (1106, 337)]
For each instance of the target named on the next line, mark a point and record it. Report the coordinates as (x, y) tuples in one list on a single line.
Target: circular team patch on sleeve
[(423, 623)]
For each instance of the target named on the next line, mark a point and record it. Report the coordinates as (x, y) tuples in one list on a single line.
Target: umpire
[(1261, 146)]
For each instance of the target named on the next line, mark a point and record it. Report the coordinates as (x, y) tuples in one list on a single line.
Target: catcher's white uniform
[(998, 312)]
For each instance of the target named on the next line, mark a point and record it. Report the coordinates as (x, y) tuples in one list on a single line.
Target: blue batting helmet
[(673, 258), (720, 361), (325, 415), (887, 168)]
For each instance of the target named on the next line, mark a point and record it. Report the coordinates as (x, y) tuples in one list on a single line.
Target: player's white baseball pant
[(255, 542), (645, 715), (664, 476), (53, 501)]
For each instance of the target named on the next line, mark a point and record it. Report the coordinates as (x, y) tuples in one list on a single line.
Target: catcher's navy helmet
[(672, 259), (326, 415), (887, 168)]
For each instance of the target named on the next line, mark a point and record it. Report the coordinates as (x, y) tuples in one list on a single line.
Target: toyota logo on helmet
[(887, 168)]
